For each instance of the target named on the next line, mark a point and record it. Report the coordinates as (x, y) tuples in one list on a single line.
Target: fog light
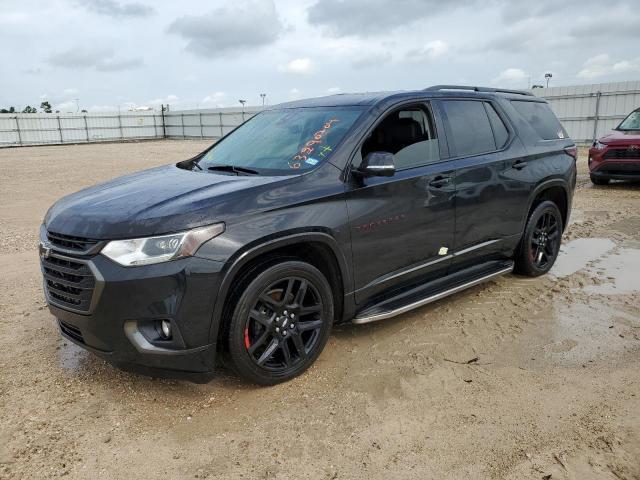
[(165, 326)]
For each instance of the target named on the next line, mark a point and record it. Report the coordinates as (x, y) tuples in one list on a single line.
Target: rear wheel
[(541, 241), (599, 180), (281, 323)]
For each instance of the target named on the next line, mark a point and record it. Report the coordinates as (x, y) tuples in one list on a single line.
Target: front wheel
[(541, 241), (281, 323)]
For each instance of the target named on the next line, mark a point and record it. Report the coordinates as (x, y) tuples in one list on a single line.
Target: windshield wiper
[(233, 169)]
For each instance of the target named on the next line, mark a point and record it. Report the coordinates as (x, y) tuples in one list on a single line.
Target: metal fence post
[(164, 128), (86, 126), (200, 120), (221, 129), (18, 130), (597, 115), (182, 123), (120, 126), (155, 127), (60, 130)]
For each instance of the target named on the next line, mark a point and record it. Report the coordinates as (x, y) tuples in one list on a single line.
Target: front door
[(402, 226)]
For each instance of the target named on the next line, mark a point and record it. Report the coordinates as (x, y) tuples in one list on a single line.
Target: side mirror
[(377, 164)]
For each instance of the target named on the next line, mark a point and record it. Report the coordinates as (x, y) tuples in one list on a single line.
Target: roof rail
[(477, 89)]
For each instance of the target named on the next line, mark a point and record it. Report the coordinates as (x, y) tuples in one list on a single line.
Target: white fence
[(54, 128), (215, 123), (49, 128), (586, 111)]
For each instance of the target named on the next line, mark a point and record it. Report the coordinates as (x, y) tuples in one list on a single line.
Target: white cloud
[(103, 108), (511, 77), (215, 99), (160, 101), (302, 66), (602, 65), (627, 66), (431, 51), (66, 107)]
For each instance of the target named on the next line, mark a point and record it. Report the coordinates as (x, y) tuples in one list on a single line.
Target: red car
[(616, 156)]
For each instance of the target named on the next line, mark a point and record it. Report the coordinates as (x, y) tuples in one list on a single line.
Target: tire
[(267, 346), (540, 242), (599, 180)]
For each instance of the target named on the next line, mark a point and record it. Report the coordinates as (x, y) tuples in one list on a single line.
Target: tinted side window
[(541, 118), (408, 133), (500, 132), (470, 127)]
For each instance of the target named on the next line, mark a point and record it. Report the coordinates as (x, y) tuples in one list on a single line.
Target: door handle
[(439, 181), (519, 164)]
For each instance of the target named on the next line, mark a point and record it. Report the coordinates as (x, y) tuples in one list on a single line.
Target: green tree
[(29, 109), (46, 107), (11, 110)]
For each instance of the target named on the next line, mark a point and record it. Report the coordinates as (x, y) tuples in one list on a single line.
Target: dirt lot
[(554, 392)]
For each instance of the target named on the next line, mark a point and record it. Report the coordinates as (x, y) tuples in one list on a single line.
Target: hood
[(160, 200), (622, 137)]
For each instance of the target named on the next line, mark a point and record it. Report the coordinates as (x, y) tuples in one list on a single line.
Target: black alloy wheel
[(545, 240), (541, 240), (284, 324), (281, 322)]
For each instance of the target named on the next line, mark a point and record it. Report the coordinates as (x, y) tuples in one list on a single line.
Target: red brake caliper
[(247, 344)]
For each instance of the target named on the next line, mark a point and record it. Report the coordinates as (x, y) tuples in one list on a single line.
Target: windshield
[(632, 122), (283, 142)]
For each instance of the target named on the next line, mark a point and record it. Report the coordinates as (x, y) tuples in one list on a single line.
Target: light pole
[(263, 96), (548, 76), (242, 102)]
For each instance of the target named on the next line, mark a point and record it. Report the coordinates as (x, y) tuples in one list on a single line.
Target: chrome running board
[(431, 298)]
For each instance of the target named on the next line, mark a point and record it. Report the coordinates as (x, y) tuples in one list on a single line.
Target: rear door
[(402, 226), (490, 193)]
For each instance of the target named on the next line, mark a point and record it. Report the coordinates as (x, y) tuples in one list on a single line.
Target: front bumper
[(128, 303), (613, 168)]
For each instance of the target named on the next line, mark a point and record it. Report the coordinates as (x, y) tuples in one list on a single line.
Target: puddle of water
[(621, 271), (575, 255)]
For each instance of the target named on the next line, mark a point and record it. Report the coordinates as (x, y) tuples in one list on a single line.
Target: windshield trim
[(266, 171)]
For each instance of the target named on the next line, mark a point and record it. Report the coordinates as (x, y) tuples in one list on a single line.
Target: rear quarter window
[(541, 119)]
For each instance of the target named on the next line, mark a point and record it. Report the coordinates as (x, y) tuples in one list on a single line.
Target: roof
[(373, 98)]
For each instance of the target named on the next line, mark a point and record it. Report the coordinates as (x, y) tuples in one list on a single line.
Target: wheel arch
[(555, 190), (316, 248)]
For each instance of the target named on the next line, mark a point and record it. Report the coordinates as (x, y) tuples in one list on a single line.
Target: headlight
[(599, 146), (145, 251)]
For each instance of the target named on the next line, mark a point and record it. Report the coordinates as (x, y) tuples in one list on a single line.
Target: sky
[(105, 55)]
